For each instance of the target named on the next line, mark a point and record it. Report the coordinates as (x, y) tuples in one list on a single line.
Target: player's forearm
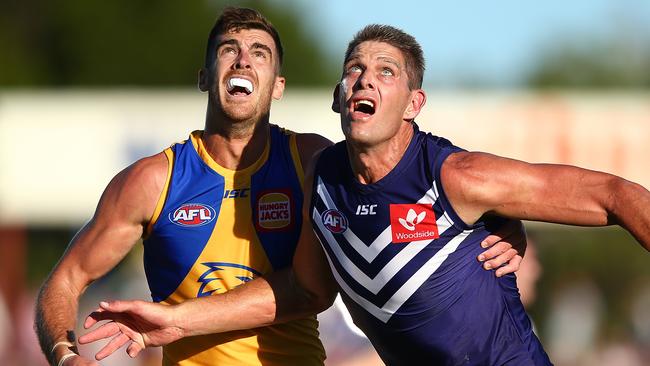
[(629, 206), (261, 302), (56, 314)]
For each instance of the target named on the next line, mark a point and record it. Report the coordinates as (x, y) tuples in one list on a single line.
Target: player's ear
[(278, 87), (204, 80), (418, 99), (336, 103)]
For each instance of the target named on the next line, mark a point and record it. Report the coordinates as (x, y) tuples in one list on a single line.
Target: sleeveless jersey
[(215, 229), (406, 265)]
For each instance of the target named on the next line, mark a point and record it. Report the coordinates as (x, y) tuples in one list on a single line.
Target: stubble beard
[(240, 118)]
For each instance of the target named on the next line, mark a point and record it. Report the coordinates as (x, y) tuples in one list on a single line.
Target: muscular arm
[(126, 205), (480, 183)]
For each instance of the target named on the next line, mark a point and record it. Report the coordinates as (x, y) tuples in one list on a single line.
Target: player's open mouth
[(239, 86), (364, 106)]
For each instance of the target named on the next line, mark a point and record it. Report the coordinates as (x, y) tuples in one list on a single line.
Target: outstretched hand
[(140, 323), (506, 248)]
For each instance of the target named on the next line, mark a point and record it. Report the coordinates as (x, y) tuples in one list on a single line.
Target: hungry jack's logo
[(413, 222), (274, 210)]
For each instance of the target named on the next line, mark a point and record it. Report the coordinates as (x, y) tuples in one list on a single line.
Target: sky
[(497, 39)]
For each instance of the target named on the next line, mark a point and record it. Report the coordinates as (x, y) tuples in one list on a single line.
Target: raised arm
[(126, 205), (480, 183)]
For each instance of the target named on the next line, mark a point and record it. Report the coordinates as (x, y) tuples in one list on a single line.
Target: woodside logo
[(413, 222)]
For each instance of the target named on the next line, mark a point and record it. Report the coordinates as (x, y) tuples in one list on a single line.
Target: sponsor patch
[(192, 214), (334, 221), (413, 222), (274, 210)]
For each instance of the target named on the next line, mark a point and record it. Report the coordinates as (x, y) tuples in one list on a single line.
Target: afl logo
[(192, 214), (334, 221)]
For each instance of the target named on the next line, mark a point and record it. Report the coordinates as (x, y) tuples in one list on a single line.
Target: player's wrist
[(180, 317), (63, 360), (62, 351)]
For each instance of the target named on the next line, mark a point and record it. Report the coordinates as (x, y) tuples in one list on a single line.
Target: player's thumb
[(116, 306)]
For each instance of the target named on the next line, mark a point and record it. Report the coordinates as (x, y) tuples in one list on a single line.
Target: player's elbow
[(322, 301), (621, 197), (321, 297), (316, 299)]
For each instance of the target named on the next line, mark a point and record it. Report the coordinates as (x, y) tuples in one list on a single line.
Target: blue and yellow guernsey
[(215, 229)]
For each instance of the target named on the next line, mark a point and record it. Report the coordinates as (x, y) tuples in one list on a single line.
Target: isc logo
[(236, 193), (192, 214), (334, 221), (363, 210)]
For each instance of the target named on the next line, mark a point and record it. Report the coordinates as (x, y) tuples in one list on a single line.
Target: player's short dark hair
[(234, 19), (395, 37)]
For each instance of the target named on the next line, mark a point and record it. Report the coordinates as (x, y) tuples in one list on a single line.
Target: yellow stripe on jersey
[(163, 195), (293, 146)]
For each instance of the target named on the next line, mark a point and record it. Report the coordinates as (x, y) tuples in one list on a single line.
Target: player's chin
[(241, 112)]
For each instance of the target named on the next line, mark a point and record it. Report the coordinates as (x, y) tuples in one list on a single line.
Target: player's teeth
[(366, 102), (239, 82)]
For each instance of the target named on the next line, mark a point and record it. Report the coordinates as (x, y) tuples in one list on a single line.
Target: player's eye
[(259, 54), (354, 69), (387, 72), (228, 50)]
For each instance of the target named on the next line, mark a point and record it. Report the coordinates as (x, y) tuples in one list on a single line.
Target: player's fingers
[(490, 240), (500, 260), (112, 346), (134, 349), (496, 250), (104, 331), (503, 233), (93, 318), (512, 266)]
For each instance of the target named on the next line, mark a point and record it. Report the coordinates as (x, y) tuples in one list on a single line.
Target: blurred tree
[(619, 60), (140, 43)]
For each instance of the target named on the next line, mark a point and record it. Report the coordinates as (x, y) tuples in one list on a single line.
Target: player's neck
[(235, 145), (372, 163)]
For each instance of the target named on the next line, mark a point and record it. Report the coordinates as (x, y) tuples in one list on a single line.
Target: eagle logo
[(224, 272)]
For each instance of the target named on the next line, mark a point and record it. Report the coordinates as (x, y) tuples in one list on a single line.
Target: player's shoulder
[(134, 192), (312, 141), (145, 177), (152, 167), (310, 146)]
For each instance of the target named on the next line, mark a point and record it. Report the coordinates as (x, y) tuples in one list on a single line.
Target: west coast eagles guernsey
[(406, 265), (215, 229)]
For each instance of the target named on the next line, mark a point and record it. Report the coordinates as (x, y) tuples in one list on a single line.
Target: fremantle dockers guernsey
[(406, 265), (215, 229)]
